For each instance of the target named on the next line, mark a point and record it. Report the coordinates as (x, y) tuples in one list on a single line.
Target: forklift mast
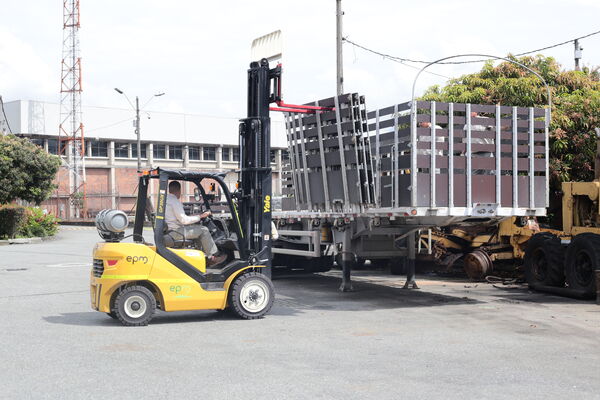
[(255, 192)]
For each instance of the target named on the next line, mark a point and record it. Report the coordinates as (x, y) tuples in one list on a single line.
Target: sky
[(197, 52)]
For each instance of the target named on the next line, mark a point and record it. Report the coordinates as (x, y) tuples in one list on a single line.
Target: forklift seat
[(175, 240)]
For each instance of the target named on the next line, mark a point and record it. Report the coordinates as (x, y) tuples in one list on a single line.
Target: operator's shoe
[(216, 259)]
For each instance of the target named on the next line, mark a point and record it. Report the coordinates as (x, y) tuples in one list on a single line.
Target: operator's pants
[(201, 235)]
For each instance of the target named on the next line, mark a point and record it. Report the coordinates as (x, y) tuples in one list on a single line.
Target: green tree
[(575, 111), (26, 171)]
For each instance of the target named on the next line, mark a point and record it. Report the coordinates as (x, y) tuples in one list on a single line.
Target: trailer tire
[(251, 295), (134, 306), (543, 261), (583, 259)]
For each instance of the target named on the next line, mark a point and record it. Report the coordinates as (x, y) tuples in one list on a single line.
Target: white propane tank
[(115, 221)]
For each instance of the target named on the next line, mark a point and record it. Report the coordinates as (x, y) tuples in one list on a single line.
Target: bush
[(38, 224), (11, 220), (575, 108), (26, 171)]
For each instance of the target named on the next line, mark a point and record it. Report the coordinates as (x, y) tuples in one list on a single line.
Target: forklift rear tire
[(544, 261), (583, 259), (134, 306), (251, 295)]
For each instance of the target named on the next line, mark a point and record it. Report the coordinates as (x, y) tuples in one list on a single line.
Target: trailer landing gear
[(410, 267), (348, 257)]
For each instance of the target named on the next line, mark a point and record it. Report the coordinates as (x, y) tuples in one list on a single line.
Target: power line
[(408, 60), (414, 67), (395, 59), (108, 126), (4, 113)]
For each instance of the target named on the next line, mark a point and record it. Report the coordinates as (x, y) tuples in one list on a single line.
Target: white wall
[(14, 116)]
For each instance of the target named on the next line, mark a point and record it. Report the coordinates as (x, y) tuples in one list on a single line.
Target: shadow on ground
[(301, 292), (524, 294), (298, 292), (94, 318)]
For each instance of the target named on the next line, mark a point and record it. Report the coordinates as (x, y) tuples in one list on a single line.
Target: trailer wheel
[(134, 306), (251, 295), (583, 259), (544, 261)]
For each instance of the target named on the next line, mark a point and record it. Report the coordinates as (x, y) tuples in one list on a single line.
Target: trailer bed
[(469, 161)]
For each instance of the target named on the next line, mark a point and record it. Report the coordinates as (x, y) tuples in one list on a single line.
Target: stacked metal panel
[(330, 167), (464, 155)]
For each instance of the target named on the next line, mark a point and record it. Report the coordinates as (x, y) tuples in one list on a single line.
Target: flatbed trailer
[(359, 184)]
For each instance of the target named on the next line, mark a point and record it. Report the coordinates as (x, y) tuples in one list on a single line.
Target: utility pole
[(137, 132), (137, 123), (339, 55), (578, 50)]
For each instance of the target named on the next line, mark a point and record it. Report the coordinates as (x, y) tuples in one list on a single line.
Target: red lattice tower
[(71, 138)]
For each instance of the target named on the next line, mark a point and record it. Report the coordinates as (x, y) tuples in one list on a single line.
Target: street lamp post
[(137, 133), (137, 123)]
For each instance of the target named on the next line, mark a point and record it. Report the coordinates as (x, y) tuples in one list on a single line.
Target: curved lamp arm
[(481, 55)]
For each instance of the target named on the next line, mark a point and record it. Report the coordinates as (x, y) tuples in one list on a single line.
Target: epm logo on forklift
[(129, 281)]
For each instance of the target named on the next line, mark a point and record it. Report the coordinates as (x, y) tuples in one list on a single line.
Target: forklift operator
[(178, 221)]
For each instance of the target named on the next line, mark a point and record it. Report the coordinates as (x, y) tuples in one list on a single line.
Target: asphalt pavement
[(451, 339)]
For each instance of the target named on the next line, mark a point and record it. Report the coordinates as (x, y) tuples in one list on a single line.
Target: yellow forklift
[(130, 281)]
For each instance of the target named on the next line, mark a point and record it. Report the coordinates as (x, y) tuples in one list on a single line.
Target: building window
[(175, 152), (134, 150), (99, 149), (209, 154), (285, 156), (225, 155), (122, 150), (194, 153), (53, 146), (236, 154), (273, 155), (159, 151), (38, 142)]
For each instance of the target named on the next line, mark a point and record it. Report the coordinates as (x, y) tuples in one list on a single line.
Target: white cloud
[(198, 52), (25, 74)]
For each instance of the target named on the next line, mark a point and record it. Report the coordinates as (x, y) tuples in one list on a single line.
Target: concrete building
[(169, 140)]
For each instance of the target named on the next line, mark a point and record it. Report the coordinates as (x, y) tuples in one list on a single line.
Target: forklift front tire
[(251, 295), (134, 306)]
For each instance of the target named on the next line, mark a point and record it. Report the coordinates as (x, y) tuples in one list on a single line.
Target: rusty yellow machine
[(483, 249), (565, 261)]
